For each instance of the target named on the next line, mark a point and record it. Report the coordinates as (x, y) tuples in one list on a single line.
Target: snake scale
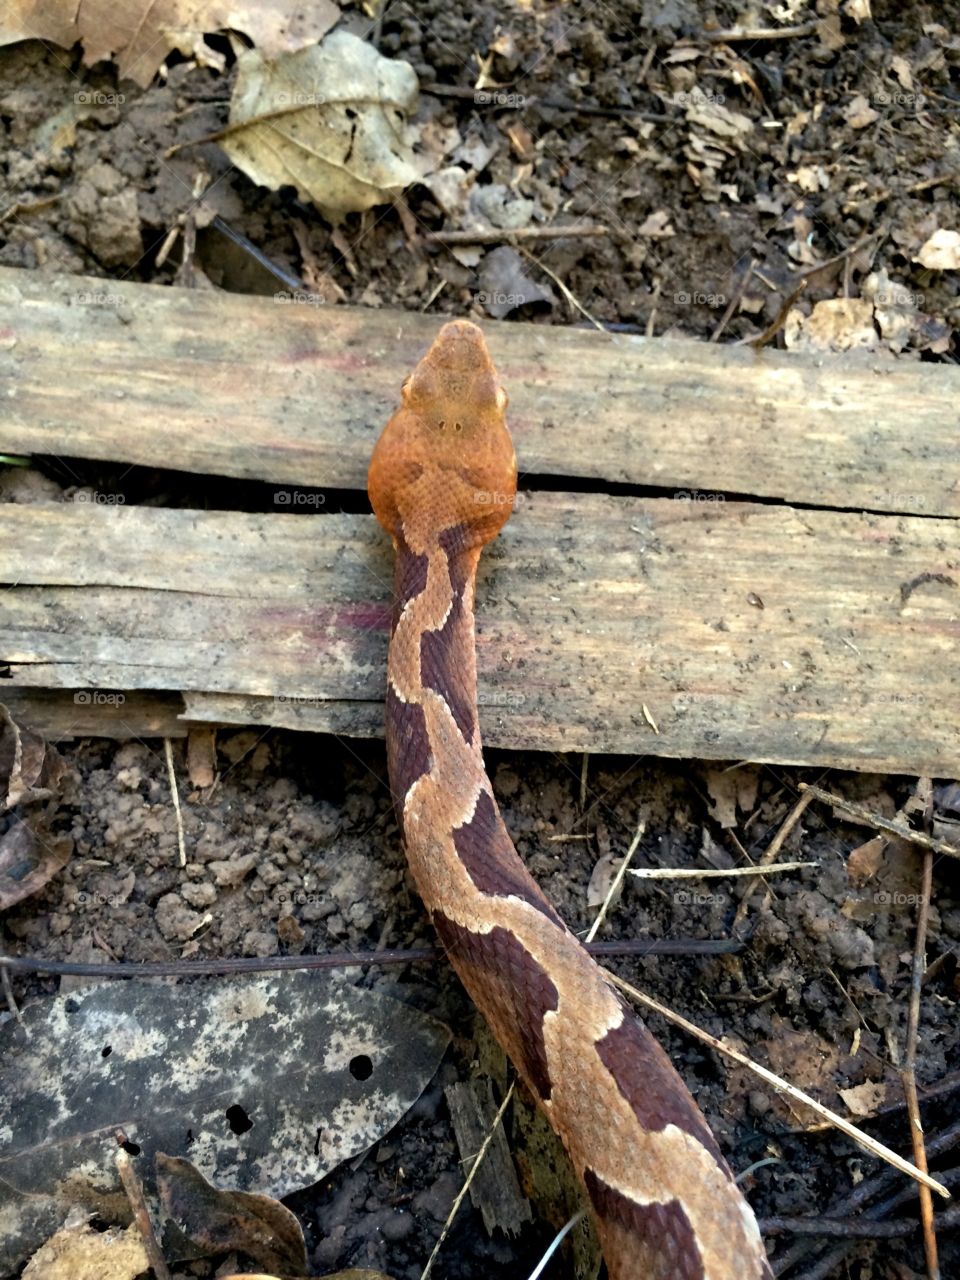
[(442, 482)]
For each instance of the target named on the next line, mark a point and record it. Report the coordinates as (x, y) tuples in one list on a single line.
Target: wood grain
[(746, 630), (295, 395)]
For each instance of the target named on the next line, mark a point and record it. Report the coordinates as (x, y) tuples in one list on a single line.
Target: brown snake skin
[(442, 483)]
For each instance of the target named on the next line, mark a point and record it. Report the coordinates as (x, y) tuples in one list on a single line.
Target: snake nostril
[(458, 426), (441, 424)]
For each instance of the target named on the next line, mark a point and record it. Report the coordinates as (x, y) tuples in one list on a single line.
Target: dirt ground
[(714, 230)]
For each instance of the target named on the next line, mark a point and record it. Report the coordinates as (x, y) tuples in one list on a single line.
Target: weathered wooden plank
[(60, 714), (240, 386), (746, 630)]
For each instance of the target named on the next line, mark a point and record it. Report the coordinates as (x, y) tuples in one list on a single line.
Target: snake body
[(442, 482)]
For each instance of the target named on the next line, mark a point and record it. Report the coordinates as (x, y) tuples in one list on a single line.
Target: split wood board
[(619, 624), (291, 394)]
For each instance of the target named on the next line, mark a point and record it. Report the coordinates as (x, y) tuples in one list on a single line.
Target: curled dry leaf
[(29, 858), (30, 772), (217, 1221), (506, 285), (144, 32), (30, 769), (330, 120)]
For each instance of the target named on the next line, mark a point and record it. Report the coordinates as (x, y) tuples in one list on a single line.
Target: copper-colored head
[(446, 457)]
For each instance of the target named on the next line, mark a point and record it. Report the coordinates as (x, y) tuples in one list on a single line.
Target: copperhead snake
[(442, 482)]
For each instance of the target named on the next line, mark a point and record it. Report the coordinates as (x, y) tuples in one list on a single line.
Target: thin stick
[(497, 235), (739, 291), (141, 1215), (698, 873), (845, 1228), (773, 849), (454, 1208), (563, 289), (863, 1139), (333, 959), (617, 881), (939, 1145), (735, 34), (909, 1075), (11, 999), (874, 820), (175, 796), (884, 194), (555, 1244), (791, 820)]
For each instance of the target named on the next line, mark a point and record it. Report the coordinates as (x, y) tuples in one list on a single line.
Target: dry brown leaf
[(30, 771), (202, 756), (140, 36), (713, 115), (859, 113), (602, 877), (216, 1221), (330, 120), (941, 252), (29, 858), (864, 861), (729, 789), (505, 283), (836, 324), (80, 1253), (864, 1099), (656, 225)]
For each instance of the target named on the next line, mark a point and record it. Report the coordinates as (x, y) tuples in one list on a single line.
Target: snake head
[(445, 458)]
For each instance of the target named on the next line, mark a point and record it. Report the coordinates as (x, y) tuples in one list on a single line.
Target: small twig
[(496, 235), (878, 823), (334, 960), (698, 873), (141, 1215), (789, 822), (27, 206), (734, 302), (11, 1000), (239, 239), (776, 324), (617, 882), (908, 1074), (555, 1244), (175, 796), (584, 774), (783, 1086), (938, 1145), (454, 1208), (846, 1228), (884, 194), (563, 289), (773, 849), (733, 35)]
